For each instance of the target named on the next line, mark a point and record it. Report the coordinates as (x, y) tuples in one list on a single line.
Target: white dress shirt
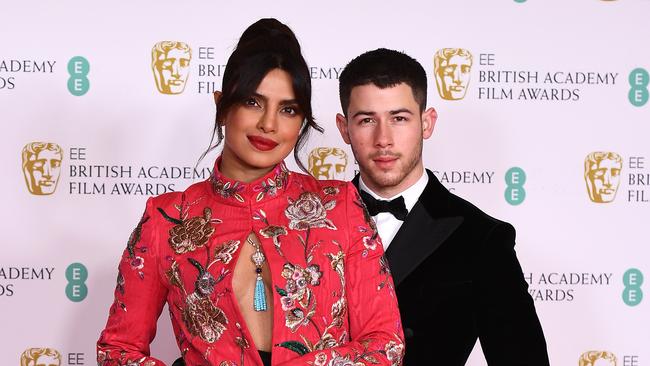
[(387, 224)]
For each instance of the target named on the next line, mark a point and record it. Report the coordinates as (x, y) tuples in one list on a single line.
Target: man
[(456, 274), (170, 62), (42, 167), (603, 175)]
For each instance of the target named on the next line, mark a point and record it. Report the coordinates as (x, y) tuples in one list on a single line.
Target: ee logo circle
[(78, 83), (639, 80), (632, 294), (76, 274), (515, 179)]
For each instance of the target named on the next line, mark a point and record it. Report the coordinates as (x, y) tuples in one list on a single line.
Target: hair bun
[(269, 33)]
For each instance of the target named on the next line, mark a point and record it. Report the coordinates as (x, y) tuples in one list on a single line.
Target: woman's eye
[(289, 110), (251, 102)]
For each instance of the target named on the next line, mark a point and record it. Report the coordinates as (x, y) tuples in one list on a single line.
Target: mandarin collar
[(263, 188)]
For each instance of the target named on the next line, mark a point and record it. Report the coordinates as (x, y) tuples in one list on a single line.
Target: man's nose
[(383, 135)]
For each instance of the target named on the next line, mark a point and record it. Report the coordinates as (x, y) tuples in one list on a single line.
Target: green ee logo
[(78, 83), (632, 294), (76, 274), (639, 80), (515, 179)]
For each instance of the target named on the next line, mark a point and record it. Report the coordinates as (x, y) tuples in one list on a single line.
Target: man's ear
[(217, 96), (342, 125), (429, 118)]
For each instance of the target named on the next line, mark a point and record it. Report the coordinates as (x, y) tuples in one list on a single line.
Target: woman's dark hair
[(266, 45)]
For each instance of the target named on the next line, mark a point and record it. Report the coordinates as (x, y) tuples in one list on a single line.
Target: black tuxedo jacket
[(457, 279)]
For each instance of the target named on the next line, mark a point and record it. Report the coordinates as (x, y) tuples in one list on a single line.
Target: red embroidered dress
[(333, 300)]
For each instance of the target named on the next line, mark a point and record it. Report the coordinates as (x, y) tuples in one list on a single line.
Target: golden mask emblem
[(170, 62), (452, 68), (603, 175), (42, 167), (597, 358), (328, 163), (40, 357)]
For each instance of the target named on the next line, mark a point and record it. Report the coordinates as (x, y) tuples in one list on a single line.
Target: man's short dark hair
[(384, 68)]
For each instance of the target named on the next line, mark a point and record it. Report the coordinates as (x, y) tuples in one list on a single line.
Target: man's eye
[(364, 121), (400, 119)]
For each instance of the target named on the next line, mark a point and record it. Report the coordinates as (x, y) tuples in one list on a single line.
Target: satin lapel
[(417, 239)]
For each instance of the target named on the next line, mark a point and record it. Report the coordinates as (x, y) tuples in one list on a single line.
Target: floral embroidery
[(268, 186), (394, 352), (189, 234), (331, 190), (308, 211), (369, 241), (226, 189), (224, 252), (271, 231), (201, 317), (384, 272), (297, 296)]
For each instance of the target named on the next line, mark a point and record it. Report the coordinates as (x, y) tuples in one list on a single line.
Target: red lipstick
[(261, 143)]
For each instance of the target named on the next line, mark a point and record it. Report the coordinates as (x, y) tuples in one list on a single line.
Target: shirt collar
[(268, 186), (410, 194)]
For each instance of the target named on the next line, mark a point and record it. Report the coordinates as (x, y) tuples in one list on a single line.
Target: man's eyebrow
[(401, 110), (363, 113)]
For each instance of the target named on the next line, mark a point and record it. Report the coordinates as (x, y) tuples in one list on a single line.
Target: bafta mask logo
[(597, 358), (170, 62), (603, 175), (40, 357), (328, 163), (42, 167), (452, 67)]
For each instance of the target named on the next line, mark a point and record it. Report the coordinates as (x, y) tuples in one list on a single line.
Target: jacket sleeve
[(509, 330), (375, 327), (139, 299)]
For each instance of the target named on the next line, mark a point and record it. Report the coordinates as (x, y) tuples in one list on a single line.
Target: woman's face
[(262, 131)]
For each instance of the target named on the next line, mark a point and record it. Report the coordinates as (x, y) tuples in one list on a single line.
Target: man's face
[(47, 361), (173, 68), (331, 167), (43, 172), (385, 129), (453, 77), (603, 179)]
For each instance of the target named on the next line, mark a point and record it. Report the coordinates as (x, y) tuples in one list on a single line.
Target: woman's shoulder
[(191, 193), (307, 182)]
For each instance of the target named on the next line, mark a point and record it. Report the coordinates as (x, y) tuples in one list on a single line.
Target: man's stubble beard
[(384, 180)]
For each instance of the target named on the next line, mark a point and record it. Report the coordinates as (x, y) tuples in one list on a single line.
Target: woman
[(257, 262)]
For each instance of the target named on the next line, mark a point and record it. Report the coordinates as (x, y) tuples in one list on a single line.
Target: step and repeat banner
[(544, 122)]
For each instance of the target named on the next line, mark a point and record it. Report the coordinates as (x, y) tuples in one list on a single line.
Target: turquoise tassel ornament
[(259, 300), (259, 297)]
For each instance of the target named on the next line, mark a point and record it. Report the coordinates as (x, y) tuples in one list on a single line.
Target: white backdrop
[(105, 110)]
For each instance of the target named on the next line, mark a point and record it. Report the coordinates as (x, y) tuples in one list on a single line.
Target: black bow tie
[(395, 207)]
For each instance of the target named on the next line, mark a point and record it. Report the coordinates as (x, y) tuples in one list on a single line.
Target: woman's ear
[(217, 96)]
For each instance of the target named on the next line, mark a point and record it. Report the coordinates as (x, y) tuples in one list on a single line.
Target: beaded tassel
[(259, 299), (259, 296)]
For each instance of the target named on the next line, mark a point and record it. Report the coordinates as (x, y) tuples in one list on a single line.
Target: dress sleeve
[(139, 299), (375, 326), (509, 330)]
